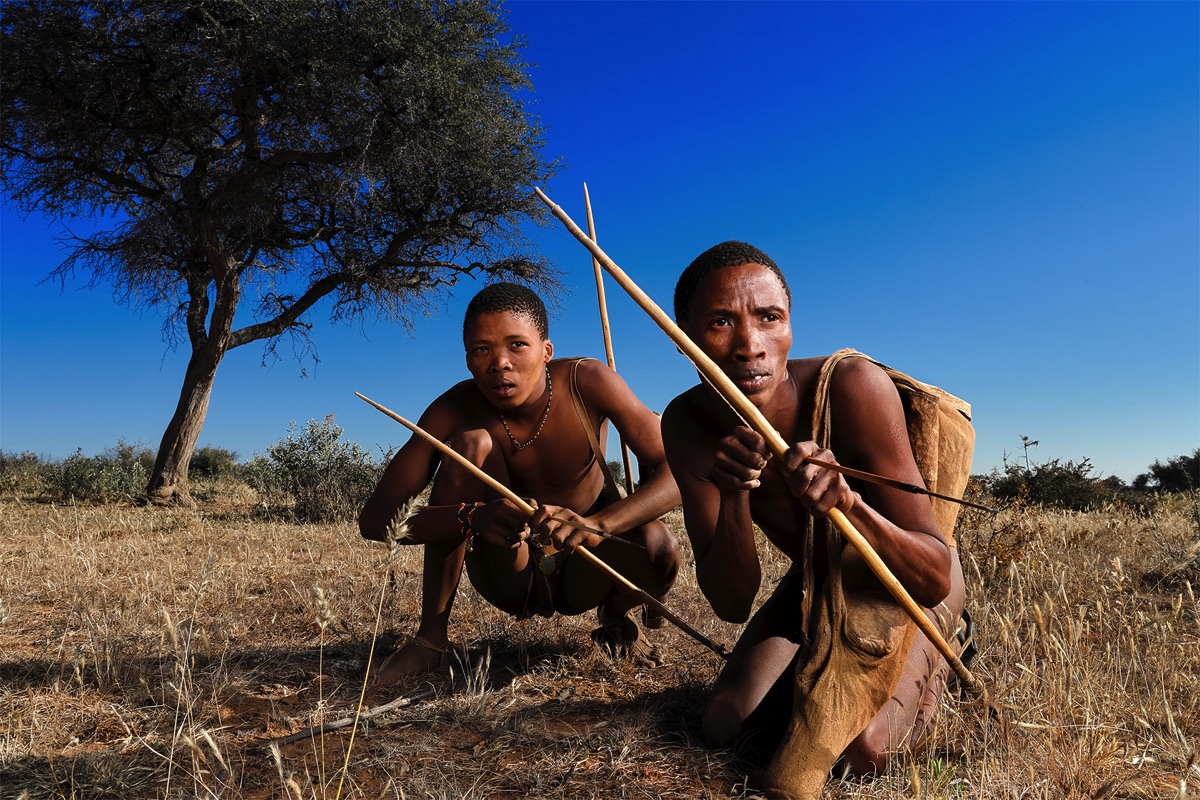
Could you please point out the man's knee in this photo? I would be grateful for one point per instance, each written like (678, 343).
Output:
(454, 482)
(723, 722)
(868, 753)
(475, 443)
(663, 548)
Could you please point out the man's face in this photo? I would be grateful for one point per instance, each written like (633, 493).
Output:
(741, 320)
(507, 357)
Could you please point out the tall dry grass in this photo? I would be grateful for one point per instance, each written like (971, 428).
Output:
(156, 653)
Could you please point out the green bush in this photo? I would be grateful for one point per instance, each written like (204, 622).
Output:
(25, 475)
(119, 474)
(327, 479)
(1179, 474)
(210, 463)
(1061, 484)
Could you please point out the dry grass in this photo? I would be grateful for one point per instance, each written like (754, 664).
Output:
(153, 653)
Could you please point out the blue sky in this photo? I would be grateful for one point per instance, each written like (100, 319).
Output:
(999, 198)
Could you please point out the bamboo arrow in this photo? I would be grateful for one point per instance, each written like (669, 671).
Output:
(608, 346)
(522, 504)
(721, 382)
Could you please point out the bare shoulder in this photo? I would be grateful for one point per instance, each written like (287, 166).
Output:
(687, 415)
(858, 383)
(869, 426)
(460, 405)
(599, 385)
(804, 372)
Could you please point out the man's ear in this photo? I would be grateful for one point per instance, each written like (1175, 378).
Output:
(549, 351)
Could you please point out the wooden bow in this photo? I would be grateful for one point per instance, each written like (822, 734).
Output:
(522, 504)
(721, 382)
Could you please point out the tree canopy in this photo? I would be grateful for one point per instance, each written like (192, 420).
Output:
(271, 153)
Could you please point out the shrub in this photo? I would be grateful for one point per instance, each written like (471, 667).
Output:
(327, 479)
(1056, 483)
(119, 474)
(210, 463)
(24, 475)
(1179, 474)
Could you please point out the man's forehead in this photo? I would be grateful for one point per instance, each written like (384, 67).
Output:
(764, 280)
(504, 324)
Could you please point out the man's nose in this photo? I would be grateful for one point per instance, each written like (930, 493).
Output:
(748, 344)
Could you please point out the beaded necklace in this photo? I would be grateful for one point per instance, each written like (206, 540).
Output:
(518, 446)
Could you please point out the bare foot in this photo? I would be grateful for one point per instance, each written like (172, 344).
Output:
(652, 618)
(417, 657)
(625, 639)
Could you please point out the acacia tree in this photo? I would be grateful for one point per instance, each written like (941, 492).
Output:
(259, 156)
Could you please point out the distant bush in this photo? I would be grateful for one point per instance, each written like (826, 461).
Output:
(1071, 484)
(1179, 474)
(120, 474)
(210, 463)
(1055, 483)
(25, 475)
(326, 478)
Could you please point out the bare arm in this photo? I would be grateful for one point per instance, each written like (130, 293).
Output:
(606, 395)
(716, 509)
(406, 476)
(869, 433)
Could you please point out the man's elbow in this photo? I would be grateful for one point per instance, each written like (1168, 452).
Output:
(933, 586)
(369, 527)
(933, 591)
(729, 609)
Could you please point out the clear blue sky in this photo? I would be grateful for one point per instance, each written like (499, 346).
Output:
(1000, 198)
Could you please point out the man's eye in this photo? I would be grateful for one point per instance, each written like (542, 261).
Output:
(721, 322)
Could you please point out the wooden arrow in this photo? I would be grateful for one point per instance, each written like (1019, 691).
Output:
(608, 346)
(522, 504)
(733, 395)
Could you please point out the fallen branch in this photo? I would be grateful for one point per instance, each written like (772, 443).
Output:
(345, 722)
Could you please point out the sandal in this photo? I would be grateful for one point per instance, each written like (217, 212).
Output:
(422, 643)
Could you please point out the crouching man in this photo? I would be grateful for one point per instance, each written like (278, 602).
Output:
(536, 425)
(829, 666)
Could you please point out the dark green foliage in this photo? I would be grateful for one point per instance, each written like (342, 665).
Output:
(1179, 474)
(1067, 484)
(327, 479)
(258, 157)
(210, 462)
(1071, 485)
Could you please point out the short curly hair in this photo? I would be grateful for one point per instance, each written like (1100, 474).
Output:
(511, 297)
(725, 254)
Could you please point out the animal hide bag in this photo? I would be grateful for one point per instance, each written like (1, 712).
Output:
(856, 653)
(860, 638)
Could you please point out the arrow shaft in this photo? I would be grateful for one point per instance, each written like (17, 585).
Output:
(522, 504)
(775, 442)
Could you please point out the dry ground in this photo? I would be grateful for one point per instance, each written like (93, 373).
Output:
(154, 653)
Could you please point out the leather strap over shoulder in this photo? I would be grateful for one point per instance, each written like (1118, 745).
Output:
(822, 412)
(581, 411)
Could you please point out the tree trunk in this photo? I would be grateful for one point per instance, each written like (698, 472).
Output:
(169, 481)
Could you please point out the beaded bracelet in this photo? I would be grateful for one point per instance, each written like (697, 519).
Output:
(466, 522)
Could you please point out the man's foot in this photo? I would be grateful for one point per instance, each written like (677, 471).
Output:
(652, 618)
(418, 657)
(625, 639)
(965, 638)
